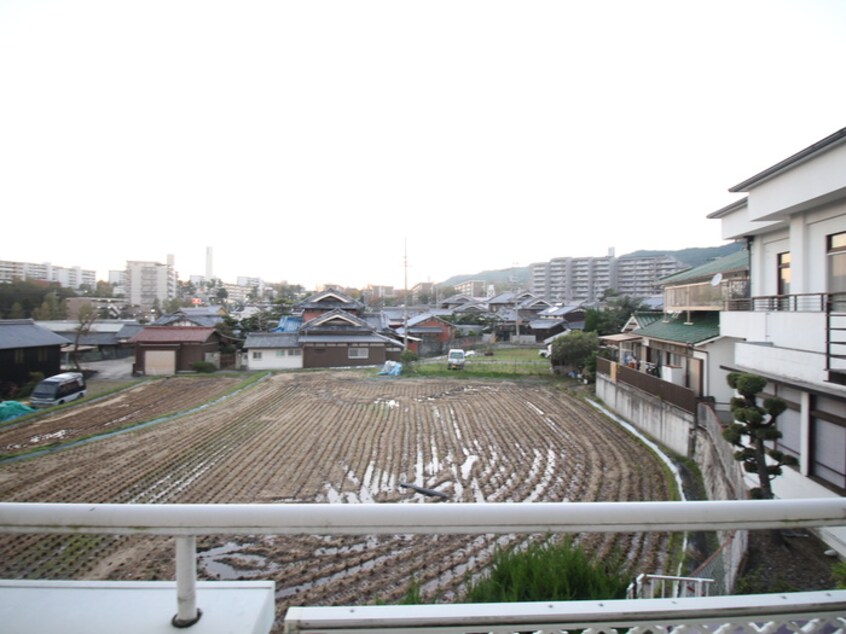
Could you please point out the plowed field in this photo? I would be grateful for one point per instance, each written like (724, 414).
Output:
(336, 438)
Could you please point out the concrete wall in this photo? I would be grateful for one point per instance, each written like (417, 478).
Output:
(664, 422)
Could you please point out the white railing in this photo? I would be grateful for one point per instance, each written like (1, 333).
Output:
(668, 586)
(186, 522)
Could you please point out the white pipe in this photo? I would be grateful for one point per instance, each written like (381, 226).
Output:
(389, 519)
(187, 612)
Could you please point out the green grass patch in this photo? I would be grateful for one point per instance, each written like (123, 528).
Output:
(549, 571)
(503, 363)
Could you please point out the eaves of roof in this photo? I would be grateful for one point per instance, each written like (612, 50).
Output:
(24, 333)
(790, 162)
(731, 263)
(724, 211)
(174, 334)
(703, 327)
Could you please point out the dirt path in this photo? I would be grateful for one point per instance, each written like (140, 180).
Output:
(339, 438)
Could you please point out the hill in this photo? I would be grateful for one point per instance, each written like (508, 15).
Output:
(521, 276)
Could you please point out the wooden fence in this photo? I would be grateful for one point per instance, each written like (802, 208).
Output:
(681, 397)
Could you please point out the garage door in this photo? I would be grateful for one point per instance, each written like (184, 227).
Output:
(159, 362)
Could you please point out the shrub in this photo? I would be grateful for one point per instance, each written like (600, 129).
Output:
(203, 366)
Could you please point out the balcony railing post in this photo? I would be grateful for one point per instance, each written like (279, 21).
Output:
(187, 612)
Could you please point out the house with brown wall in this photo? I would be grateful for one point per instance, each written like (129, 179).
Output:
(165, 350)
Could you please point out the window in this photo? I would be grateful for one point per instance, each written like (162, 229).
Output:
(783, 273)
(256, 355)
(358, 353)
(280, 353)
(836, 250)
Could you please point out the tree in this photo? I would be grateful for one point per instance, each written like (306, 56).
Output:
(52, 308)
(85, 320)
(105, 289)
(574, 349)
(611, 319)
(754, 427)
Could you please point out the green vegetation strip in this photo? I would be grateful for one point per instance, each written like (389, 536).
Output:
(38, 451)
(549, 571)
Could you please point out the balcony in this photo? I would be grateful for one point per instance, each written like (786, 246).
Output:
(39, 606)
(705, 296)
(803, 335)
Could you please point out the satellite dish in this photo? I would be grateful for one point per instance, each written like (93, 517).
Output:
(715, 281)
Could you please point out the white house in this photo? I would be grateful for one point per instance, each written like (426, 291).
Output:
(273, 351)
(792, 328)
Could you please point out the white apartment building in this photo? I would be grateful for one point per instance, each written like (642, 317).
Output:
(472, 288)
(69, 277)
(792, 330)
(147, 282)
(569, 280)
(639, 276)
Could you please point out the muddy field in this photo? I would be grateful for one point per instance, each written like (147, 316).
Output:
(331, 438)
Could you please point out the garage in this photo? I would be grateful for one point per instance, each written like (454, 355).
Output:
(166, 350)
(159, 362)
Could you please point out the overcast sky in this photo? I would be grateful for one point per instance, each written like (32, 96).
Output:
(316, 141)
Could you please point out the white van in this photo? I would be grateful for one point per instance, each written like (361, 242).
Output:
(455, 359)
(58, 389)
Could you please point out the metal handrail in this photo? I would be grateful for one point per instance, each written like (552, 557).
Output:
(186, 521)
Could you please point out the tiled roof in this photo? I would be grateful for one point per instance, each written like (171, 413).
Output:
(702, 327)
(560, 311)
(349, 338)
(732, 263)
(24, 333)
(271, 340)
(646, 317)
(545, 324)
(174, 334)
(323, 321)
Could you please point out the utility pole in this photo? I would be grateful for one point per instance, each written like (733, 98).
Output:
(405, 300)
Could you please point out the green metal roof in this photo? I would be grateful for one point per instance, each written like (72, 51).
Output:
(731, 263)
(704, 326)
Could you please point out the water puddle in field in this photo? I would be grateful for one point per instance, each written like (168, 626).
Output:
(227, 562)
(362, 567)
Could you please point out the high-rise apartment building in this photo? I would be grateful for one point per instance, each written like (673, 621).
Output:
(473, 288)
(639, 276)
(147, 282)
(69, 277)
(569, 280)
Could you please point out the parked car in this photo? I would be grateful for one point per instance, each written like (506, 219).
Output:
(455, 359)
(58, 389)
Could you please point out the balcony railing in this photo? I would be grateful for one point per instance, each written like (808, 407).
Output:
(801, 302)
(705, 296)
(833, 305)
(186, 522)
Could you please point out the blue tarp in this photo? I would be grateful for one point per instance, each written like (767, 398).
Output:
(13, 409)
(391, 368)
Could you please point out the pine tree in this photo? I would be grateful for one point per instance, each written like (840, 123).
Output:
(754, 427)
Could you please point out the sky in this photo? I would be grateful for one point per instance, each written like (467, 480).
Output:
(357, 142)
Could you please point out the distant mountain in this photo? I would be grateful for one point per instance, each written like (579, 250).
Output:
(521, 276)
(515, 276)
(693, 256)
